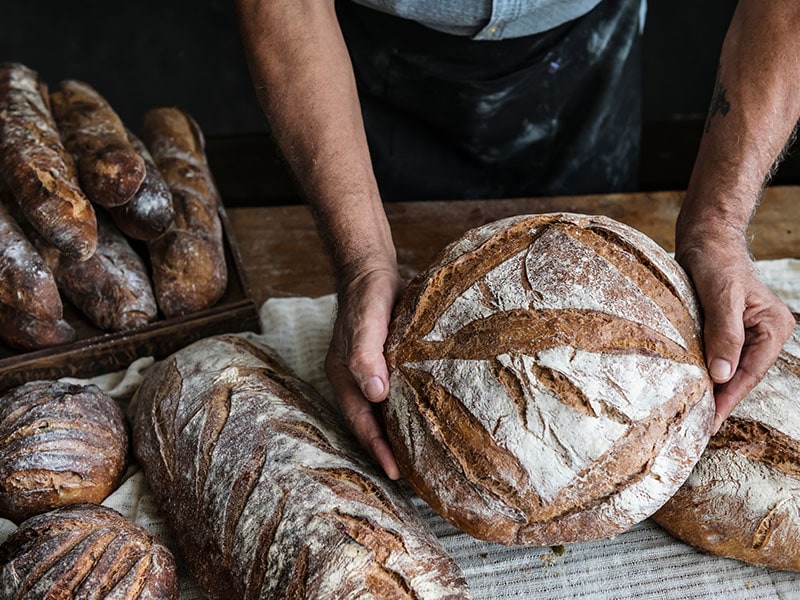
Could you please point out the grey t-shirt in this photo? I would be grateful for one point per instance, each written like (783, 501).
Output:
(486, 19)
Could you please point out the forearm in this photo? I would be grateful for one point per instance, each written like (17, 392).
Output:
(304, 80)
(755, 108)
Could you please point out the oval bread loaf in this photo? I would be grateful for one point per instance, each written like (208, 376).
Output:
(37, 167)
(112, 288)
(547, 381)
(85, 551)
(742, 499)
(149, 213)
(21, 331)
(109, 168)
(26, 284)
(268, 495)
(189, 268)
(60, 444)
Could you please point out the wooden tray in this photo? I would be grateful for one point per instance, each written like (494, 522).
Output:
(95, 352)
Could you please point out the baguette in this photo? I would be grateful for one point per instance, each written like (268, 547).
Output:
(112, 288)
(60, 444)
(149, 213)
(21, 331)
(109, 167)
(86, 551)
(26, 284)
(38, 169)
(189, 269)
(268, 495)
(547, 380)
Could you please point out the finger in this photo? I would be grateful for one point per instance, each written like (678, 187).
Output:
(359, 415)
(364, 350)
(723, 335)
(361, 419)
(766, 334)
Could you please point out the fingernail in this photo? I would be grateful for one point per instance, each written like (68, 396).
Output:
(717, 423)
(373, 387)
(720, 370)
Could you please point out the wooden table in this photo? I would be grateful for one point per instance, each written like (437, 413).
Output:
(283, 256)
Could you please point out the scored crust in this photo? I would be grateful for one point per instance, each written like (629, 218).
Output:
(742, 499)
(547, 380)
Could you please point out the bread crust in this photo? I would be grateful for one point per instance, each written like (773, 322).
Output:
(149, 214)
(742, 499)
(110, 169)
(189, 268)
(86, 551)
(37, 167)
(269, 497)
(26, 284)
(112, 288)
(60, 444)
(22, 331)
(547, 380)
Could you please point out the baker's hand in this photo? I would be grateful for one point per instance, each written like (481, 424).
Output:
(355, 364)
(745, 323)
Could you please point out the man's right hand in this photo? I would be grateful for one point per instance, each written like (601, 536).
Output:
(355, 364)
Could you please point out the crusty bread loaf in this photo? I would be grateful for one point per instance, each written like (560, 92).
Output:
(60, 444)
(189, 269)
(37, 167)
(268, 495)
(22, 331)
(110, 169)
(547, 381)
(149, 213)
(26, 284)
(85, 552)
(112, 288)
(742, 499)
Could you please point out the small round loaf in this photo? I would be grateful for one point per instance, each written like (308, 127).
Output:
(60, 444)
(85, 551)
(742, 499)
(547, 380)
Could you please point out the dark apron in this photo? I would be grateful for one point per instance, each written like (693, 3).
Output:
(447, 117)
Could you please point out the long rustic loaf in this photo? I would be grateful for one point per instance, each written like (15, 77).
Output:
(109, 167)
(742, 499)
(60, 444)
(268, 495)
(22, 331)
(149, 213)
(85, 551)
(189, 269)
(112, 288)
(547, 381)
(26, 284)
(38, 169)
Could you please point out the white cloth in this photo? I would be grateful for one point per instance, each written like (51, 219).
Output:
(643, 563)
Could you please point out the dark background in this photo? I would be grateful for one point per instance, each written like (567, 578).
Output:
(150, 53)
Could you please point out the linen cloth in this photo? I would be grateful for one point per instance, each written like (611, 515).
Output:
(644, 562)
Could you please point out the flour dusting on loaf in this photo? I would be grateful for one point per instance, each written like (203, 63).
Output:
(742, 499)
(547, 380)
(86, 551)
(268, 495)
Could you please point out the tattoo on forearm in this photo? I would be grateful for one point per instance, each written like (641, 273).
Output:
(719, 104)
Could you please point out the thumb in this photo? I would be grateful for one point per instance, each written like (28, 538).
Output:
(723, 336)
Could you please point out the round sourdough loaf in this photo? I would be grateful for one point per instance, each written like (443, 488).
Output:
(60, 443)
(547, 380)
(85, 551)
(742, 499)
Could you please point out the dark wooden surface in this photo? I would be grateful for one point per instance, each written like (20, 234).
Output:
(283, 256)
